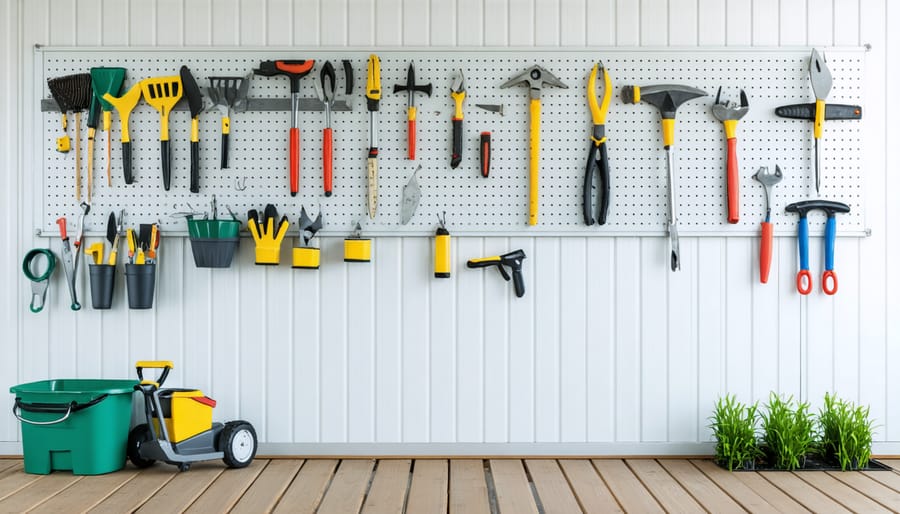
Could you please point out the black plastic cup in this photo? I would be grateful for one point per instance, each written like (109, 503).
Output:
(214, 252)
(140, 280)
(103, 283)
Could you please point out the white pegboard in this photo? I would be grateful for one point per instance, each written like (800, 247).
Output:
(474, 205)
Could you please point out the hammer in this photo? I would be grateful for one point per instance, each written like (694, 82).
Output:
(829, 278)
(666, 98)
(535, 77)
(411, 88)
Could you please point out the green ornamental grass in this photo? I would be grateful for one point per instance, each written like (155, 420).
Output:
(734, 425)
(788, 432)
(846, 432)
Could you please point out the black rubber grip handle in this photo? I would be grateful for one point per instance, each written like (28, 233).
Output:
(224, 162)
(604, 186)
(808, 112)
(519, 283)
(456, 156)
(58, 407)
(126, 162)
(166, 164)
(195, 166)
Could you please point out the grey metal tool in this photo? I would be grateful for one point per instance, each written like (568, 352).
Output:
(411, 89)
(491, 107)
(228, 94)
(308, 226)
(411, 196)
(70, 261)
(666, 98)
(729, 113)
(820, 79)
(768, 179)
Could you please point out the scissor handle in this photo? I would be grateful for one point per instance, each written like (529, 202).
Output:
(804, 281)
(829, 282)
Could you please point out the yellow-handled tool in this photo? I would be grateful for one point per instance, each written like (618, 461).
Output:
(535, 78)
(373, 96)
(820, 79)
(162, 93)
(124, 105)
(96, 252)
(458, 93)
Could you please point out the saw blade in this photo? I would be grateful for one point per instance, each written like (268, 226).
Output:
(411, 195)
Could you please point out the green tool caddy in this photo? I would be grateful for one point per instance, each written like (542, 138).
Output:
(74, 424)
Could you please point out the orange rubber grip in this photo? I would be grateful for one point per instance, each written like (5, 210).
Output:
(326, 159)
(765, 252)
(411, 133)
(829, 282)
(295, 66)
(734, 207)
(295, 161)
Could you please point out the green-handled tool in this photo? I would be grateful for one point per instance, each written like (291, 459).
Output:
(106, 80)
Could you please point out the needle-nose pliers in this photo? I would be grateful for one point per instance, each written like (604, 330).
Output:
(597, 156)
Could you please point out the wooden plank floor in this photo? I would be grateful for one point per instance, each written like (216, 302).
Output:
(476, 486)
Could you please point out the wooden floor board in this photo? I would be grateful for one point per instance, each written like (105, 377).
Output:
(308, 487)
(625, 486)
(805, 494)
(590, 491)
(348, 488)
(703, 490)
(468, 487)
(91, 490)
(737, 489)
(8, 464)
(886, 478)
(667, 491)
(429, 489)
(553, 490)
(268, 487)
(840, 492)
(775, 496)
(179, 493)
(874, 490)
(38, 492)
(15, 479)
(387, 495)
(225, 492)
(511, 487)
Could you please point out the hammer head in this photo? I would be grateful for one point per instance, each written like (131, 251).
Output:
(665, 97)
(535, 77)
(411, 85)
(830, 208)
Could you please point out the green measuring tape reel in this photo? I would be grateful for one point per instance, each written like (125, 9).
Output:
(39, 283)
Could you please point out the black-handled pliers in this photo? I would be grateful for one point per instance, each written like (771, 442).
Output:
(597, 156)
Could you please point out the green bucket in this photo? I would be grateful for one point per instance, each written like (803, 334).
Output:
(74, 424)
(214, 229)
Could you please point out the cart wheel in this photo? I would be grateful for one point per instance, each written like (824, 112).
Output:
(138, 436)
(238, 442)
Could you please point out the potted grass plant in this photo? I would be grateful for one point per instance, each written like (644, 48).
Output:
(846, 433)
(734, 426)
(788, 432)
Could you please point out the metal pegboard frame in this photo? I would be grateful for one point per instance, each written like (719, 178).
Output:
(475, 205)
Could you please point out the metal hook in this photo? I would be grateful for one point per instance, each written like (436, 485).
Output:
(240, 183)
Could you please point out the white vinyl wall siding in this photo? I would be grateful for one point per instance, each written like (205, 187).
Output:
(608, 352)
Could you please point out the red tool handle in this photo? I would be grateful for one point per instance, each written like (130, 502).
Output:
(734, 208)
(295, 160)
(485, 147)
(411, 133)
(62, 228)
(829, 282)
(804, 281)
(326, 159)
(765, 252)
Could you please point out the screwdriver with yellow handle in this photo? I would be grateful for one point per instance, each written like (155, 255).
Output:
(132, 244)
(373, 96)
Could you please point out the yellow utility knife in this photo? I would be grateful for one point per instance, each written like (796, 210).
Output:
(373, 96)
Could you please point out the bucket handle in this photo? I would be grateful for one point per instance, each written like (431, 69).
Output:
(68, 408)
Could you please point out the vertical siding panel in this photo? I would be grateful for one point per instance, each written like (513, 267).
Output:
(415, 22)
(497, 345)
(547, 295)
(573, 23)
(521, 350)
(654, 259)
(335, 23)
(846, 28)
(361, 324)
(790, 324)
(251, 357)
(306, 30)
(333, 340)
(62, 16)
(711, 329)
(766, 312)
(601, 324)
(389, 23)
(443, 22)
(470, 343)
(820, 22)
(628, 278)
(281, 318)
(225, 20)
(654, 23)
(546, 22)
(879, 385)
(739, 318)
(521, 22)
(739, 26)
(497, 20)
(114, 22)
(792, 23)
(443, 355)
(388, 352)
(573, 338)
(628, 23)
(601, 22)
(279, 17)
(142, 25)
(682, 348)
(683, 22)
(847, 372)
(224, 337)
(711, 22)
(251, 22)
(194, 297)
(416, 351)
(198, 27)
(170, 316)
(170, 26)
(818, 345)
(471, 24)
(309, 317)
(765, 22)
(88, 20)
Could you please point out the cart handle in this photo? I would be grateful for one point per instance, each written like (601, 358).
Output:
(68, 408)
(166, 366)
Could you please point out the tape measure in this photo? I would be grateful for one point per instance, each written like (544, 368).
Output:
(39, 283)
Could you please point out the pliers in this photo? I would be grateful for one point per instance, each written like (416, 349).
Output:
(597, 156)
(458, 93)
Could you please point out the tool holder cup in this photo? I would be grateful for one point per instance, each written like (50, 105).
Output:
(213, 242)
(103, 283)
(306, 257)
(140, 280)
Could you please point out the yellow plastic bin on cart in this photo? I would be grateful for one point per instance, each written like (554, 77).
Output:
(187, 412)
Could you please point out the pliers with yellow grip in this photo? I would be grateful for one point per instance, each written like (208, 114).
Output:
(597, 156)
